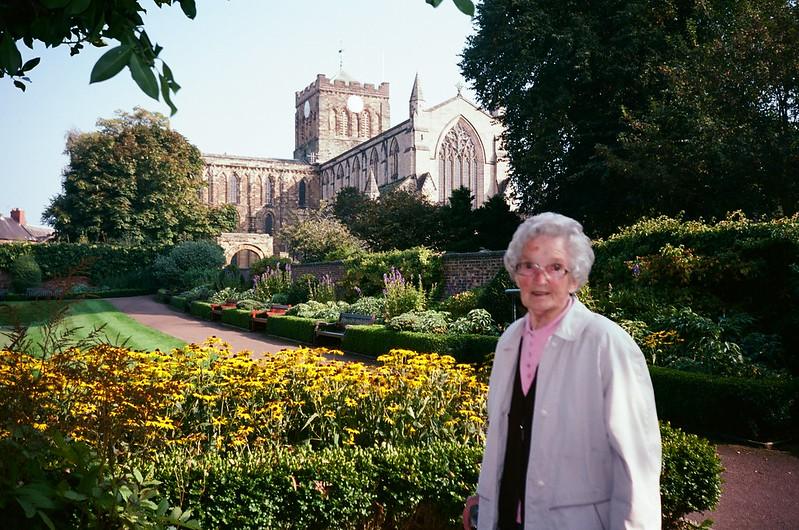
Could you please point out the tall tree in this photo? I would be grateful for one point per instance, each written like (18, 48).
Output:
(604, 102)
(319, 238)
(456, 221)
(134, 180)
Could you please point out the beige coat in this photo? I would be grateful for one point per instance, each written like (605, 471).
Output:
(595, 452)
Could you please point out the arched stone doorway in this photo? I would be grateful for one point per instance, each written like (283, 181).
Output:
(245, 248)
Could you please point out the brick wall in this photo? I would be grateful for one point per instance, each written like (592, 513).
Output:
(335, 269)
(462, 271)
(467, 270)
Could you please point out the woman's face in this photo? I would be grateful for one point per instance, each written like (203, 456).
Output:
(544, 289)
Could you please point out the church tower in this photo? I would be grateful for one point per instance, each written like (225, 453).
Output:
(334, 115)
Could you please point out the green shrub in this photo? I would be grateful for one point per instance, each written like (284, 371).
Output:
(343, 487)
(226, 295)
(237, 317)
(291, 327)
(364, 273)
(420, 321)
(201, 309)
(269, 262)
(375, 340)
(249, 305)
(188, 261)
(459, 305)
(328, 311)
(178, 302)
(163, 296)
(299, 290)
(387, 486)
(756, 409)
(691, 477)
(493, 298)
(368, 305)
(97, 261)
(25, 273)
(279, 298)
(476, 322)
(201, 293)
(401, 296)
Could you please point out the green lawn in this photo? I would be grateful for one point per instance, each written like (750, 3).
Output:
(84, 315)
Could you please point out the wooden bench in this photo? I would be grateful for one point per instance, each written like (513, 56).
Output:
(216, 310)
(258, 317)
(336, 329)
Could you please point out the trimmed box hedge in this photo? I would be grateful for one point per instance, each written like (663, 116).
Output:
(179, 302)
(377, 339)
(163, 296)
(755, 409)
(386, 487)
(200, 309)
(240, 318)
(295, 328)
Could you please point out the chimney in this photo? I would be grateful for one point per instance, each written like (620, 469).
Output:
(18, 215)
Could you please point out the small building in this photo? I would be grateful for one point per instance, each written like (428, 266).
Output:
(15, 229)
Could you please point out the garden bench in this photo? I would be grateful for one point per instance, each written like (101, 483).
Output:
(258, 317)
(216, 310)
(336, 329)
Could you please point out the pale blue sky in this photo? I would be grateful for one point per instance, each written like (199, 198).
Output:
(239, 63)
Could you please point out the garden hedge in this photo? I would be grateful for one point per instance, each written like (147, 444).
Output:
(39, 294)
(377, 339)
(179, 302)
(200, 309)
(385, 487)
(755, 409)
(237, 317)
(296, 328)
(97, 261)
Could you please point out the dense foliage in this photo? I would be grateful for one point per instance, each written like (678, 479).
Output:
(25, 273)
(619, 109)
(402, 219)
(189, 264)
(134, 181)
(320, 238)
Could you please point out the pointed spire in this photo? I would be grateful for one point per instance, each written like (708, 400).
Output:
(371, 190)
(417, 99)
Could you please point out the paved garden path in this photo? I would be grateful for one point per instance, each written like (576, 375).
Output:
(761, 489)
(164, 317)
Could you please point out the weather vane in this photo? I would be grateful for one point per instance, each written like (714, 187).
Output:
(459, 87)
(340, 56)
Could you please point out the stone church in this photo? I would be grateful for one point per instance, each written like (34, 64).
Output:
(343, 138)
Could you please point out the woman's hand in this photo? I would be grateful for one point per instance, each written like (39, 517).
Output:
(467, 512)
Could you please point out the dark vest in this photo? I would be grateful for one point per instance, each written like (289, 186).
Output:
(517, 450)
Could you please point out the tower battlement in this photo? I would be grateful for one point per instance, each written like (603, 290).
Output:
(322, 82)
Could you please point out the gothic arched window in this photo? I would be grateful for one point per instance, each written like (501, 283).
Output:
(366, 124)
(343, 125)
(269, 191)
(393, 160)
(269, 224)
(233, 189)
(373, 164)
(356, 173)
(459, 158)
(301, 194)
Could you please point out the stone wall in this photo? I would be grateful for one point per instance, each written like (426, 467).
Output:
(467, 270)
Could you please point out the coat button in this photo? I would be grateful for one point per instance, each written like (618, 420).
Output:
(544, 412)
(540, 483)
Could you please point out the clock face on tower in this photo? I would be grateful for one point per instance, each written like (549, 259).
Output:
(306, 109)
(354, 104)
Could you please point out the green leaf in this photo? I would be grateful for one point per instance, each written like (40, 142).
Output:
(465, 6)
(78, 6)
(163, 506)
(74, 495)
(434, 3)
(10, 58)
(137, 474)
(46, 520)
(194, 524)
(111, 63)
(165, 92)
(189, 8)
(29, 65)
(20, 85)
(143, 76)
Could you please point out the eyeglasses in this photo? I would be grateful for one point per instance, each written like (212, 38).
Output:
(552, 270)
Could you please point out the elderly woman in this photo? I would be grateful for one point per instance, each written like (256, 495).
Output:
(573, 439)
